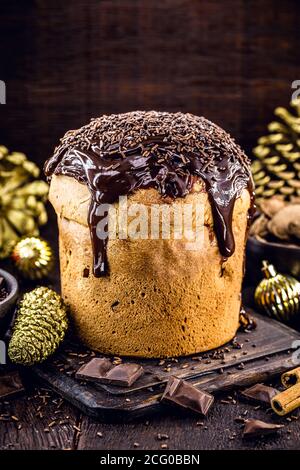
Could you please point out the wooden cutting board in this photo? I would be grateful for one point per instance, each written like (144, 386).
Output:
(255, 357)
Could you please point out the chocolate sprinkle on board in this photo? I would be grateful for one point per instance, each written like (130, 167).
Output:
(256, 428)
(260, 393)
(118, 154)
(185, 395)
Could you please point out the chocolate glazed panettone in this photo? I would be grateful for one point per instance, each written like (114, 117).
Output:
(151, 297)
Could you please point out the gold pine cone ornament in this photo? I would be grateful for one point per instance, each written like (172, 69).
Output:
(276, 168)
(33, 257)
(40, 327)
(22, 199)
(278, 295)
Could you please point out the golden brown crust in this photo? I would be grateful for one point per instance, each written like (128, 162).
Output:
(160, 300)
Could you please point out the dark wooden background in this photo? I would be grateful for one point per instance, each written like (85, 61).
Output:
(67, 61)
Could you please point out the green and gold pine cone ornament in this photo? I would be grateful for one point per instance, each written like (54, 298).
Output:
(276, 168)
(33, 257)
(278, 295)
(40, 326)
(22, 199)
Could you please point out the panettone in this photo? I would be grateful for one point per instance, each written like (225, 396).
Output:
(151, 296)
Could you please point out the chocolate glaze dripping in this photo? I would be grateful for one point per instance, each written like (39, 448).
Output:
(113, 173)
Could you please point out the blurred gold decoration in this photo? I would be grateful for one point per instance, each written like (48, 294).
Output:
(22, 198)
(276, 169)
(40, 327)
(33, 257)
(278, 295)
(247, 323)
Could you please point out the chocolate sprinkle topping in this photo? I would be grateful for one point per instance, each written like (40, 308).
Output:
(118, 154)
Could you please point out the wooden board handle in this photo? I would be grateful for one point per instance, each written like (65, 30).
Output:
(292, 377)
(287, 401)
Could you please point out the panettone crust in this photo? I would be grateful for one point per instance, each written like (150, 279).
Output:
(159, 300)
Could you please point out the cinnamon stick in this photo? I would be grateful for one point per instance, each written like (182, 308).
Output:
(291, 377)
(287, 401)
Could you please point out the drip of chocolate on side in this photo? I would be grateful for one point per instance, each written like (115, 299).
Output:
(153, 163)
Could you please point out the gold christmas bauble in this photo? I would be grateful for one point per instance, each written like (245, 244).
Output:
(33, 257)
(278, 295)
(40, 326)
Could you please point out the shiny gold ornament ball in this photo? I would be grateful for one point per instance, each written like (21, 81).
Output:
(40, 327)
(278, 295)
(33, 257)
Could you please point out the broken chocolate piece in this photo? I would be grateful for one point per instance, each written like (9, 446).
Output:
(183, 394)
(102, 370)
(256, 428)
(10, 384)
(94, 368)
(260, 393)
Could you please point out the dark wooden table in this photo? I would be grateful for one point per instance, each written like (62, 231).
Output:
(34, 423)
(40, 419)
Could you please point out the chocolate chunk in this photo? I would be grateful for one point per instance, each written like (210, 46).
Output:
(260, 393)
(256, 428)
(102, 370)
(124, 374)
(183, 394)
(10, 384)
(94, 368)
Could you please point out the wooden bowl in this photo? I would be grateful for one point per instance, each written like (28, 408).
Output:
(284, 256)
